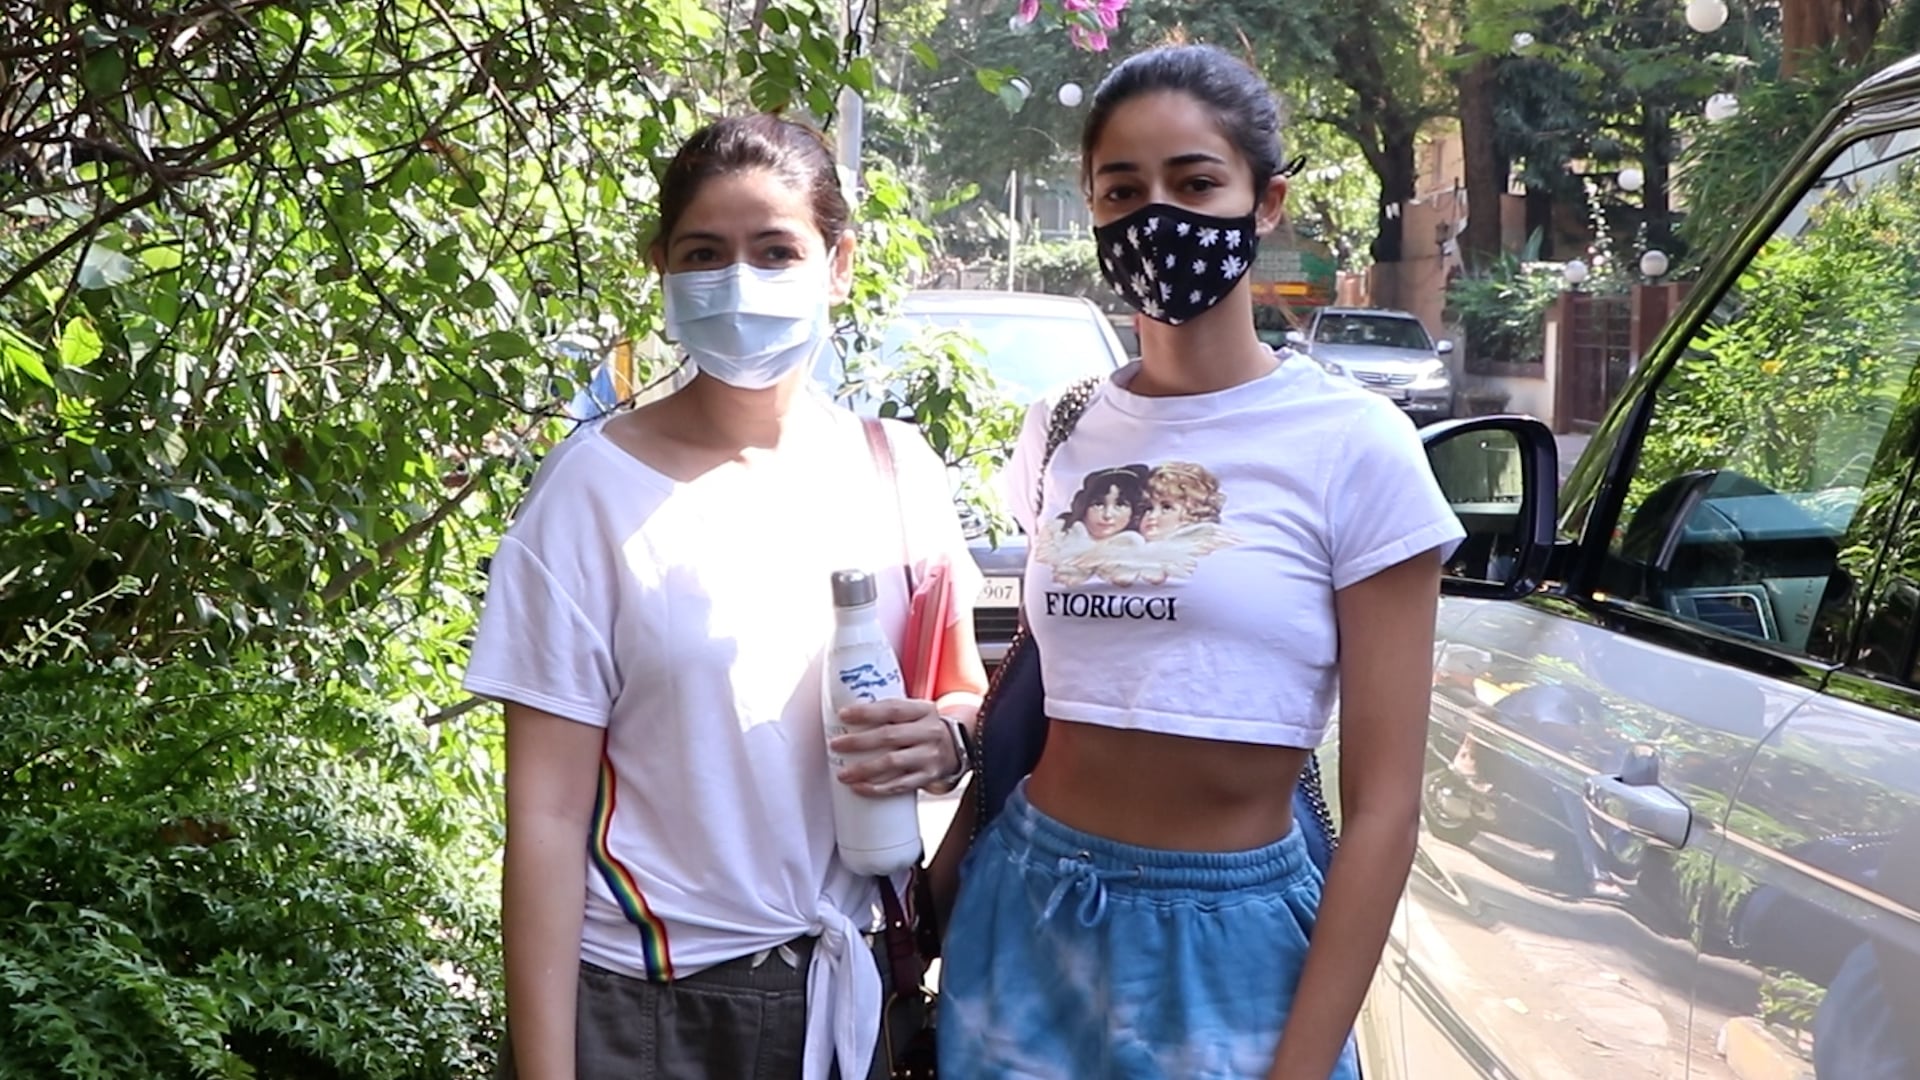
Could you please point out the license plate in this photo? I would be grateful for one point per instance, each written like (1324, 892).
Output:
(1000, 592)
(1391, 393)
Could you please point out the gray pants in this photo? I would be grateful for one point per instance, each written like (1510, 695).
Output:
(745, 1019)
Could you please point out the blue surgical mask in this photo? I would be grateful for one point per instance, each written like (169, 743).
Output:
(749, 327)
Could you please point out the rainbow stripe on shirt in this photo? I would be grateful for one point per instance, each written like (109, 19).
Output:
(626, 891)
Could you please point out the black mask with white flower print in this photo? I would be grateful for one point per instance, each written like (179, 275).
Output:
(1172, 264)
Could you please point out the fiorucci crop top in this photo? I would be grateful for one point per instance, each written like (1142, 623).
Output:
(1181, 576)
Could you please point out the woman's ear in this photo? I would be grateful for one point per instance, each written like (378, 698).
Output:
(841, 267)
(1272, 208)
(657, 257)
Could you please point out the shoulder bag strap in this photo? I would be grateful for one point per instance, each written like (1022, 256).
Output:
(897, 911)
(881, 448)
(1066, 413)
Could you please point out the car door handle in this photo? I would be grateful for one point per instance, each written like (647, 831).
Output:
(1648, 810)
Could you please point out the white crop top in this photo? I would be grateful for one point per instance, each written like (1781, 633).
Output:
(1181, 578)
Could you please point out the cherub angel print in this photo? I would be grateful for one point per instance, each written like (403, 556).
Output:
(1136, 525)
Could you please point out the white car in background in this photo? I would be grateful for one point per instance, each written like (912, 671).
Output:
(1388, 352)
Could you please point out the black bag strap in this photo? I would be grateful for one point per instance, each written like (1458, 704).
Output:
(1066, 414)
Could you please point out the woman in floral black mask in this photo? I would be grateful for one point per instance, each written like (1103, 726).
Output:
(1143, 905)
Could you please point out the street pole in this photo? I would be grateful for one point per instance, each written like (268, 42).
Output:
(850, 117)
(1013, 221)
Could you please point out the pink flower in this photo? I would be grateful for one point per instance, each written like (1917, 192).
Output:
(1029, 10)
(1108, 12)
(1076, 5)
(1090, 40)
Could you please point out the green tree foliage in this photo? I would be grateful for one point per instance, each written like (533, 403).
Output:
(1806, 384)
(1335, 198)
(191, 894)
(1601, 86)
(279, 284)
(986, 105)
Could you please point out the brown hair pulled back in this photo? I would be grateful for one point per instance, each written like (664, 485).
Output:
(796, 153)
(1240, 100)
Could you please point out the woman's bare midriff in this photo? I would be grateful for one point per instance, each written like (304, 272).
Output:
(1166, 791)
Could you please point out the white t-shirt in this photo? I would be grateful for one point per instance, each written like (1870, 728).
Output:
(1181, 578)
(689, 621)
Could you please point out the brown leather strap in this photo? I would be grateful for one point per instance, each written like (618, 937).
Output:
(903, 950)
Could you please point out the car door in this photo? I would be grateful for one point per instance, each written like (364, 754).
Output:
(1587, 743)
(1820, 874)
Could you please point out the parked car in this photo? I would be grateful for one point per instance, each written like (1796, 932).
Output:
(1033, 345)
(1672, 816)
(1388, 352)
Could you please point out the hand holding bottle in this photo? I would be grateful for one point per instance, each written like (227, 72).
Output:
(895, 747)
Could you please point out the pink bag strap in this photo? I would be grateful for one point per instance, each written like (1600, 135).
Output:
(881, 449)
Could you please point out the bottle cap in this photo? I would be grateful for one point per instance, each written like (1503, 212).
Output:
(853, 588)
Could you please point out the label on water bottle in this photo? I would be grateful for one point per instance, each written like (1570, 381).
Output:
(872, 682)
(863, 680)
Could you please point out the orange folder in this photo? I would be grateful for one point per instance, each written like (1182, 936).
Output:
(929, 611)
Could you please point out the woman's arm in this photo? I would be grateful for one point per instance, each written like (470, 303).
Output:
(1386, 675)
(551, 769)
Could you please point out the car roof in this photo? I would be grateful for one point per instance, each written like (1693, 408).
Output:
(1392, 313)
(992, 302)
(1896, 78)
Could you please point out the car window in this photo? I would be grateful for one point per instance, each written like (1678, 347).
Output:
(1781, 442)
(1385, 331)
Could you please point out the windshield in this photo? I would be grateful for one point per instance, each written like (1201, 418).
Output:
(1028, 354)
(1382, 331)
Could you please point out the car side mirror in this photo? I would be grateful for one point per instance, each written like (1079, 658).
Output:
(1501, 476)
(1443, 347)
(1295, 337)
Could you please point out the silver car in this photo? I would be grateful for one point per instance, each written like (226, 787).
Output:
(1672, 793)
(1388, 352)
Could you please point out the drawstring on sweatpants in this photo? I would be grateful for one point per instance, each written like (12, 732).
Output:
(1079, 872)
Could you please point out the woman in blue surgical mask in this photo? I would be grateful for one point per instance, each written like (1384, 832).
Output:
(674, 906)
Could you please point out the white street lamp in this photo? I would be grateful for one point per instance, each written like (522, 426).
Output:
(1071, 95)
(1574, 272)
(1706, 16)
(1654, 263)
(1722, 107)
(1632, 179)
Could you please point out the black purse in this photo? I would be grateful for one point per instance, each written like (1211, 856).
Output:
(1011, 728)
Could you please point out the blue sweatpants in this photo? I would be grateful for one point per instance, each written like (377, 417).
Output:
(1069, 955)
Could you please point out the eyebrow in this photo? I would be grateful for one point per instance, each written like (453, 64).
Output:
(1198, 157)
(716, 238)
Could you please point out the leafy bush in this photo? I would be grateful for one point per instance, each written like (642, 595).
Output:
(231, 876)
(1502, 311)
(1065, 268)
